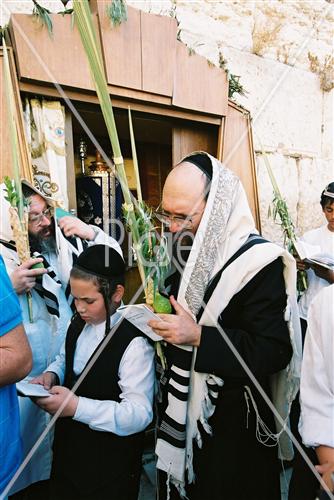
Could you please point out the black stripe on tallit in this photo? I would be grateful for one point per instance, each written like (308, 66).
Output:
(51, 301)
(170, 421)
(182, 396)
(253, 239)
(8, 244)
(169, 439)
(179, 379)
(180, 357)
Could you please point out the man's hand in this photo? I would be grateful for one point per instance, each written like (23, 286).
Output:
(301, 264)
(177, 329)
(23, 278)
(326, 470)
(47, 380)
(324, 273)
(61, 397)
(72, 226)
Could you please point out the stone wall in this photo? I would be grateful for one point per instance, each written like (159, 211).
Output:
(282, 51)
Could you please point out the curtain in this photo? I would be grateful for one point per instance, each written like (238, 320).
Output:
(45, 129)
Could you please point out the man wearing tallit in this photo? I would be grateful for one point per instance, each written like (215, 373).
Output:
(57, 241)
(235, 306)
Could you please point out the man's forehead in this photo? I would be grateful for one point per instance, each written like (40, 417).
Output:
(178, 205)
(37, 203)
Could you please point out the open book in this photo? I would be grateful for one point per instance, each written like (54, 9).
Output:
(311, 254)
(139, 315)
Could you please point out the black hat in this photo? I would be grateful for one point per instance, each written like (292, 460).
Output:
(202, 161)
(101, 261)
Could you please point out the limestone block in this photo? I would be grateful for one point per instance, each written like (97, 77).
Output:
(327, 126)
(285, 103)
(219, 26)
(287, 31)
(286, 175)
(314, 175)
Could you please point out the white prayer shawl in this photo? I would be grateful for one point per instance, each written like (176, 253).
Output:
(65, 251)
(225, 226)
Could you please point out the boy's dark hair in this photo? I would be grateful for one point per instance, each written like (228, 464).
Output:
(325, 198)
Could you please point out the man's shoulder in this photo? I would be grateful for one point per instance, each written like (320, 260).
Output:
(10, 311)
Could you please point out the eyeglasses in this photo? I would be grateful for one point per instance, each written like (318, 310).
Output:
(36, 219)
(184, 221)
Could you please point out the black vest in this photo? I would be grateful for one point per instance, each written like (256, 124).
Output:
(88, 458)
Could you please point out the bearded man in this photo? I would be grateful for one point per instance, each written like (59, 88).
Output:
(231, 336)
(57, 242)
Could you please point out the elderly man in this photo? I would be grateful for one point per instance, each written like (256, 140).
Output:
(227, 339)
(57, 241)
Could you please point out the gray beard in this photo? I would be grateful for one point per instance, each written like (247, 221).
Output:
(42, 245)
(48, 245)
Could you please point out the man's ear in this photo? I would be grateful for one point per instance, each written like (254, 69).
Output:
(118, 294)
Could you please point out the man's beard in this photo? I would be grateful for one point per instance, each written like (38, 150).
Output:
(41, 243)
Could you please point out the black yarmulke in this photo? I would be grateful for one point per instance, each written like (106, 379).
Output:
(202, 161)
(101, 261)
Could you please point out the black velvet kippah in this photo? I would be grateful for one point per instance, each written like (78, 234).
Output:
(202, 161)
(101, 261)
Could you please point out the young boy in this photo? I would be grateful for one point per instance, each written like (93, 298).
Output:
(109, 366)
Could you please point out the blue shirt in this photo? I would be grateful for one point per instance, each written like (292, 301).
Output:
(10, 441)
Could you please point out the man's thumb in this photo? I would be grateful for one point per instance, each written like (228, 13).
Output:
(178, 308)
(54, 390)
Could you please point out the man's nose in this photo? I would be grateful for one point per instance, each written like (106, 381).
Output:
(45, 222)
(173, 227)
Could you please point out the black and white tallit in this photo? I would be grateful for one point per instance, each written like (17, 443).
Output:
(226, 227)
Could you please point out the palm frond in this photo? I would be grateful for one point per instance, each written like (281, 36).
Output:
(138, 216)
(43, 15)
(280, 211)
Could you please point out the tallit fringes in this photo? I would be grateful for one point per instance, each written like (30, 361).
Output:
(263, 433)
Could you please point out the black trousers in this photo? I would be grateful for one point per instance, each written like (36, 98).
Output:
(36, 491)
(124, 487)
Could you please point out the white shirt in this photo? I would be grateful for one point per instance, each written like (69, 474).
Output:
(136, 381)
(316, 424)
(324, 238)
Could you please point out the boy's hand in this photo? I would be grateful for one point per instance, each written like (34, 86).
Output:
(327, 470)
(324, 273)
(47, 380)
(301, 264)
(61, 397)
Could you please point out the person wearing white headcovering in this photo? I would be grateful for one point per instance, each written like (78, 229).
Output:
(316, 424)
(57, 241)
(235, 299)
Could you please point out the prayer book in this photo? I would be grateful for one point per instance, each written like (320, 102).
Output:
(139, 315)
(25, 388)
(311, 254)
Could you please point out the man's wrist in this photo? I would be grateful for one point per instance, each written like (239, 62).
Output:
(94, 231)
(199, 335)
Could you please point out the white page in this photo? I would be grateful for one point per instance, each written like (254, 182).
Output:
(306, 250)
(139, 315)
(35, 390)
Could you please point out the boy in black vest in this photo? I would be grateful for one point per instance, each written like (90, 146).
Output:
(109, 366)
